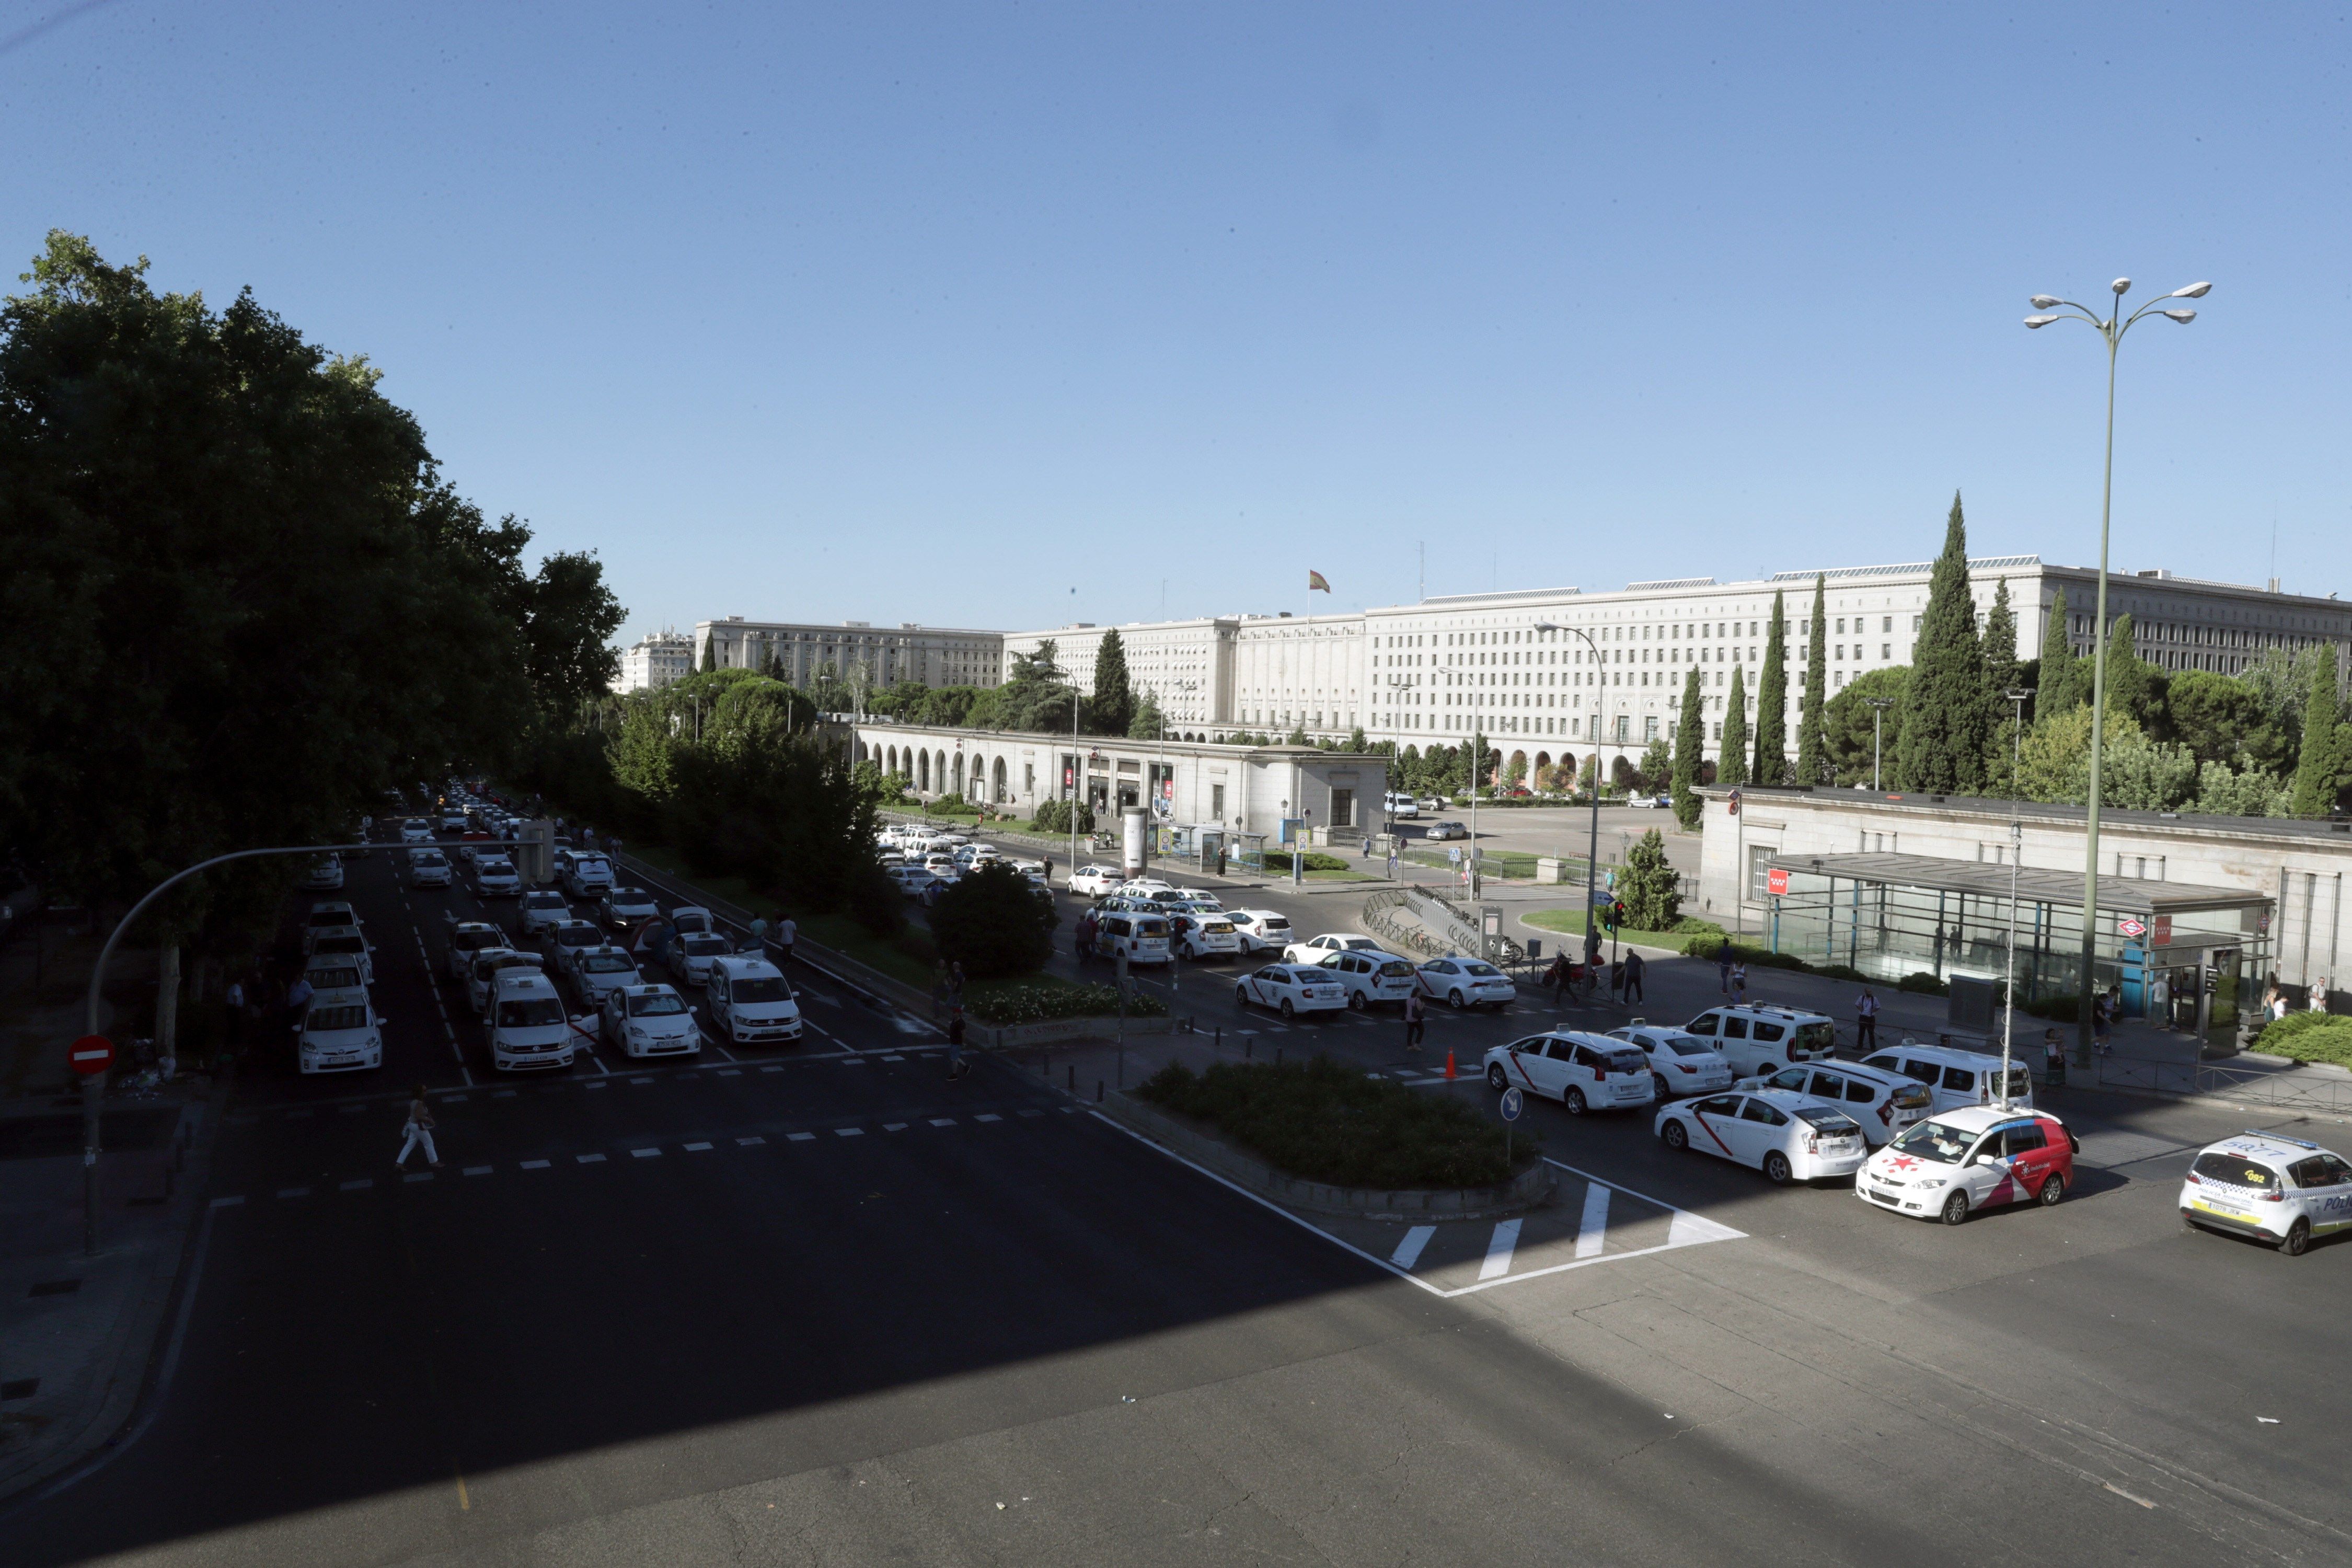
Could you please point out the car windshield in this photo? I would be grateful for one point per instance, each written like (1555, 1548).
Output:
(530, 1012)
(690, 920)
(2236, 1170)
(323, 1019)
(605, 963)
(1689, 1048)
(701, 943)
(629, 896)
(342, 944)
(1937, 1141)
(760, 988)
(429, 858)
(542, 901)
(662, 1006)
(1482, 971)
(1836, 1123)
(333, 979)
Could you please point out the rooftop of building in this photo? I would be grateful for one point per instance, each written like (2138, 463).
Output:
(1999, 809)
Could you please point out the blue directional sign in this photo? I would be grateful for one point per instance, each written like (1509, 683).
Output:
(1513, 1103)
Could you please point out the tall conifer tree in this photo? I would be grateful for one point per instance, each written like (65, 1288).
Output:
(1731, 762)
(2320, 760)
(2060, 687)
(1690, 740)
(1772, 701)
(2001, 677)
(1944, 737)
(1114, 703)
(1812, 722)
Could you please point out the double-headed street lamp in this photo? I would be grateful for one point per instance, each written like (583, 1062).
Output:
(2111, 329)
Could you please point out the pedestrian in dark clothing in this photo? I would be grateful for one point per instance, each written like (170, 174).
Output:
(1633, 967)
(955, 1044)
(1865, 1020)
(1723, 966)
(1556, 976)
(1617, 980)
(1591, 947)
(788, 931)
(1415, 1020)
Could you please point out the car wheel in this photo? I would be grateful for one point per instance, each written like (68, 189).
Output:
(1777, 1169)
(1356, 1000)
(1574, 1101)
(1241, 994)
(1956, 1209)
(1675, 1136)
(1494, 1078)
(1288, 1011)
(2054, 1187)
(1454, 999)
(1659, 1080)
(2297, 1238)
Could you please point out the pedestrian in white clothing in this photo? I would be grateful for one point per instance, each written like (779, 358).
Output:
(419, 1131)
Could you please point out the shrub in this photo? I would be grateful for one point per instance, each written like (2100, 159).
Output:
(995, 924)
(2309, 1037)
(1043, 1001)
(1328, 1122)
(951, 806)
(1924, 984)
(1054, 816)
(1650, 888)
(1279, 860)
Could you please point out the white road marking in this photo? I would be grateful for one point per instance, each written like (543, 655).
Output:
(503, 1094)
(364, 1182)
(771, 1069)
(1408, 1252)
(640, 1080)
(293, 1192)
(894, 1127)
(696, 1146)
(232, 1201)
(849, 1131)
(477, 1170)
(748, 1142)
(1505, 1241)
(893, 1057)
(417, 1176)
(534, 1164)
(592, 1083)
(801, 1137)
(1594, 1229)
(988, 1116)
(943, 1121)
(644, 1153)
(590, 1159)
(730, 1072)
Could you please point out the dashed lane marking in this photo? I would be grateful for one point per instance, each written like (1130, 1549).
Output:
(477, 1170)
(590, 1159)
(644, 1153)
(748, 1142)
(1593, 1231)
(894, 1127)
(800, 1137)
(849, 1131)
(231, 1201)
(943, 1121)
(358, 1185)
(988, 1116)
(293, 1192)
(417, 1176)
(730, 1072)
(535, 1164)
(1499, 1247)
(1408, 1252)
(696, 1147)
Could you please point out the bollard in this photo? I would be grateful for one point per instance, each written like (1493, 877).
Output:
(1074, 1078)
(1221, 1036)
(1099, 1091)
(1449, 1063)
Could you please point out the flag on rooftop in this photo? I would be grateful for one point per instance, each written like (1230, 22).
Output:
(1315, 581)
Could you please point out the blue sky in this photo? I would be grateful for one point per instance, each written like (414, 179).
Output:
(1006, 315)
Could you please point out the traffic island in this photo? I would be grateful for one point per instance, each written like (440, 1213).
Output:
(1327, 1139)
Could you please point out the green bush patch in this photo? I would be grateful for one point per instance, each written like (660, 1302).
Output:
(1279, 860)
(1006, 1002)
(1923, 984)
(1322, 1121)
(2309, 1037)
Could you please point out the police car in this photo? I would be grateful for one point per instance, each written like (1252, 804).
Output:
(2271, 1187)
(1979, 1156)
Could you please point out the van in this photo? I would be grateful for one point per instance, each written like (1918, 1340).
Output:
(1142, 938)
(1956, 1078)
(527, 1025)
(585, 873)
(749, 999)
(340, 1032)
(1758, 1041)
(1885, 1103)
(492, 965)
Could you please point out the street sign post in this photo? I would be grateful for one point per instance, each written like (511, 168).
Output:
(1513, 1103)
(91, 1054)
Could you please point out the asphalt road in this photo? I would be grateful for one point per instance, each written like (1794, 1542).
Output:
(817, 1304)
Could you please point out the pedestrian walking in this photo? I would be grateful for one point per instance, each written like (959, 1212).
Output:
(2274, 999)
(2320, 995)
(419, 1130)
(1634, 965)
(955, 985)
(1722, 965)
(759, 934)
(955, 1045)
(2099, 1021)
(1591, 948)
(2054, 1056)
(2159, 1001)
(1047, 861)
(1865, 1020)
(233, 1000)
(1415, 1019)
(1392, 864)
(788, 932)
(298, 997)
(1556, 976)
(1739, 985)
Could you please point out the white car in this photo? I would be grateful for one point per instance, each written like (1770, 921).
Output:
(648, 1021)
(327, 916)
(1979, 1156)
(541, 910)
(1885, 1103)
(340, 1032)
(1954, 1078)
(416, 830)
(1292, 989)
(528, 1026)
(1316, 948)
(625, 907)
(1372, 978)
(559, 938)
(468, 940)
(495, 877)
(1147, 888)
(914, 880)
(1143, 938)
(690, 955)
(1679, 1065)
(429, 869)
(594, 971)
(2271, 1187)
(687, 919)
(1760, 1041)
(482, 979)
(1404, 808)
(1261, 931)
(1466, 983)
(1584, 1072)
(1200, 901)
(585, 873)
(325, 874)
(347, 943)
(1094, 881)
(750, 1000)
(1442, 831)
(1205, 936)
(1789, 1137)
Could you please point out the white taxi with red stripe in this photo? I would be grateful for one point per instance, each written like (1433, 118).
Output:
(1584, 1072)
(1789, 1137)
(1977, 1156)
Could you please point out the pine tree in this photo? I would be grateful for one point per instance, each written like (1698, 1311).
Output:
(2000, 678)
(709, 654)
(1690, 737)
(2321, 758)
(1945, 729)
(1114, 703)
(1772, 702)
(1812, 723)
(2134, 686)
(2061, 685)
(1731, 768)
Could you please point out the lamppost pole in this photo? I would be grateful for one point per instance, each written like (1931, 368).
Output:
(2016, 857)
(1593, 854)
(2111, 329)
(1878, 706)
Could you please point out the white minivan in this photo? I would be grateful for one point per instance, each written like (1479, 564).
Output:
(749, 999)
(1758, 1041)
(529, 1027)
(1142, 938)
(1956, 1078)
(585, 873)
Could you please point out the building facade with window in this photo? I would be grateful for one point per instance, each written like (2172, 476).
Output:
(932, 656)
(655, 660)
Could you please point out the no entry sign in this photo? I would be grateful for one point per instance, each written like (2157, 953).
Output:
(91, 1054)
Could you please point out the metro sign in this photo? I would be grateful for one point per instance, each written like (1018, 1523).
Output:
(2127, 926)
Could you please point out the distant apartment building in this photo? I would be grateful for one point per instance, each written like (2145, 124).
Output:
(932, 656)
(655, 660)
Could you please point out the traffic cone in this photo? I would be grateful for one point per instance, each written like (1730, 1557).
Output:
(1449, 1063)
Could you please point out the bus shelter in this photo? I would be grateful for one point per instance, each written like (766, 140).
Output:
(2198, 953)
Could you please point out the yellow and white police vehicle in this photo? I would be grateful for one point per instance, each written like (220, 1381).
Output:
(2269, 1186)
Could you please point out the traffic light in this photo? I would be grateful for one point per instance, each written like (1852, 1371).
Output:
(1613, 916)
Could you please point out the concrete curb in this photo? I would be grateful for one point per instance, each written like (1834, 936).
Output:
(1526, 1191)
(125, 1395)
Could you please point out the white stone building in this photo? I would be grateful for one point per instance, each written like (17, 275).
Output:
(655, 660)
(934, 655)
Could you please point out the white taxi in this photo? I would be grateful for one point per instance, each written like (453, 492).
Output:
(2271, 1187)
(1789, 1137)
(1465, 983)
(1371, 976)
(495, 877)
(1261, 931)
(1206, 935)
(1292, 989)
(1094, 881)
(1885, 1103)
(1758, 1041)
(1979, 1156)
(468, 940)
(648, 1021)
(341, 1033)
(1315, 949)
(1680, 1064)
(542, 908)
(1584, 1072)
(750, 1000)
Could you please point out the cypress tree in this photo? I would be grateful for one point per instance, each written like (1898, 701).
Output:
(1114, 704)
(1945, 731)
(2061, 686)
(1812, 722)
(1731, 764)
(1772, 702)
(1690, 738)
(2000, 678)
(709, 654)
(2319, 761)
(2131, 679)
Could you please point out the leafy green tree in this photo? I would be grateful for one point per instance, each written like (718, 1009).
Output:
(709, 655)
(1731, 771)
(1690, 736)
(2135, 772)
(1854, 743)
(2062, 681)
(2222, 719)
(1812, 722)
(2134, 686)
(1650, 888)
(995, 924)
(1771, 766)
(1114, 701)
(2224, 791)
(1147, 722)
(1657, 769)
(2319, 764)
(1945, 726)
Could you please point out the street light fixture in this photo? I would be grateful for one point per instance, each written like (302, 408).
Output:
(2017, 697)
(1592, 855)
(1878, 707)
(2111, 330)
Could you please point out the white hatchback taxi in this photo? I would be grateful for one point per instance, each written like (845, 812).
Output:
(1094, 881)
(341, 1033)
(1372, 977)
(1680, 1064)
(2271, 1187)
(1261, 931)
(1584, 1072)
(1465, 983)
(1979, 1156)
(1292, 989)
(648, 1021)
(1315, 949)
(1789, 1137)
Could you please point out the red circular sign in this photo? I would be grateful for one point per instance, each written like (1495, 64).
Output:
(91, 1054)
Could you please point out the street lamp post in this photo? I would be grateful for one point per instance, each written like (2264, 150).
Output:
(1593, 854)
(1878, 707)
(2017, 698)
(2111, 329)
